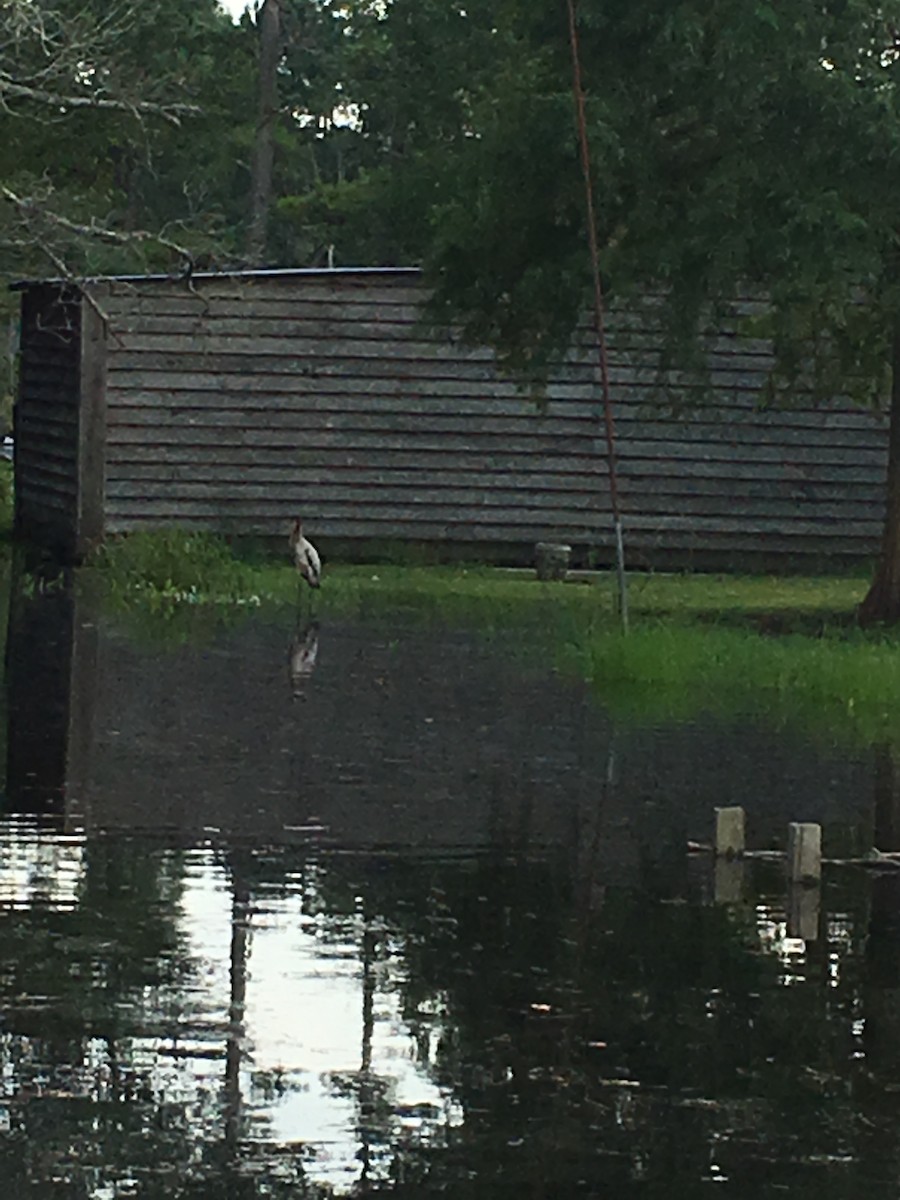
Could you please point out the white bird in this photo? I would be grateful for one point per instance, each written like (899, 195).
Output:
(306, 556)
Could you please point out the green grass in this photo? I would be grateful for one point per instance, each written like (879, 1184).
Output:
(845, 688)
(783, 648)
(164, 570)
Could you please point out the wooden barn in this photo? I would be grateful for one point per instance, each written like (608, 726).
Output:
(235, 401)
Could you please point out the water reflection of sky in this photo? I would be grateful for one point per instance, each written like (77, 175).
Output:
(39, 870)
(307, 1061)
(304, 1024)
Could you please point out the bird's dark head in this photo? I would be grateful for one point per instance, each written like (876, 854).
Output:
(296, 531)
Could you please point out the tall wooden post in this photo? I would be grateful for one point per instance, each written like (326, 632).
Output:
(91, 466)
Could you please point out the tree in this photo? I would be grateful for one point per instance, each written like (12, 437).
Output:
(270, 50)
(378, 94)
(118, 83)
(734, 143)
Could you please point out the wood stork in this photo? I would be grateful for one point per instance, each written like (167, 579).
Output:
(306, 556)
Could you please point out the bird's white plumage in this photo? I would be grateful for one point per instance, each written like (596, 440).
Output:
(306, 556)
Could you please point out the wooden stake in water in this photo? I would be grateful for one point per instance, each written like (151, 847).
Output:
(728, 880)
(804, 855)
(729, 831)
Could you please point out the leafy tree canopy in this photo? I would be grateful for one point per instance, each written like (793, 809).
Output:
(734, 144)
(93, 99)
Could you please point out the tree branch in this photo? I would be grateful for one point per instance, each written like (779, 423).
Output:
(29, 209)
(169, 112)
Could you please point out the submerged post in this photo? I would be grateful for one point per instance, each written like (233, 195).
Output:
(729, 831)
(728, 880)
(804, 854)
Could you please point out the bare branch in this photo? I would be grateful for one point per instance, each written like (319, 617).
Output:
(30, 209)
(89, 298)
(169, 112)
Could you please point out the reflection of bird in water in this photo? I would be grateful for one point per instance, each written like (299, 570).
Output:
(302, 660)
(306, 556)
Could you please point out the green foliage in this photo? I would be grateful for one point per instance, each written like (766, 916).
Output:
(149, 95)
(845, 688)
(166, 568)
(733, 144)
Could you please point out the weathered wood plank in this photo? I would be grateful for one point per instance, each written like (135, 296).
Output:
(270, 355)
(280, 376)
(582, 517)
(238, 456)
(46, 415)
(414, 353)
(797, 456)
(325, 495)
(31, 437)
(642, 544)
(324, 481)
(664, 496)
(488, 416)
(581, 405)
(52, 499)
(244, 434)
(37, 460)
(350, 402)
(374, 324)
(286, 381)
(321, 366)
(234, 429)
(349, 423)
(373, 315)
(384, 495)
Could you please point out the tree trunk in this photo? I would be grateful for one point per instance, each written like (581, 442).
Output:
(264, 146)
(882, 602)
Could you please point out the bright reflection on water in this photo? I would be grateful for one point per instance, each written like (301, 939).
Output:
(420, 920)
(282, 1025)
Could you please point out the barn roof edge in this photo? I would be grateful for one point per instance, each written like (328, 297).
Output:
(21, 285)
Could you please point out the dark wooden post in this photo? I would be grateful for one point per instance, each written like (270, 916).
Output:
(89, 527)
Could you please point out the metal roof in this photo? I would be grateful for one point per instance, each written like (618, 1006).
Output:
(261, 273)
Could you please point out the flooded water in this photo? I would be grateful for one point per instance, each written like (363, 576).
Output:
(390, 908)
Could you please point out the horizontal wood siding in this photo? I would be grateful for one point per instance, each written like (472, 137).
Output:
(47, 418)
(235, 403)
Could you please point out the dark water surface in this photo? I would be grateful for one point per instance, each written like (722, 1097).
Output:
(390, 908)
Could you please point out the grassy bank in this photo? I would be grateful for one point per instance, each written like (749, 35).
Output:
(787, 647)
